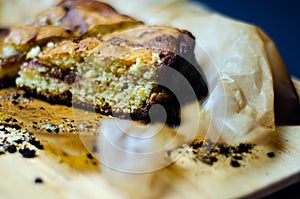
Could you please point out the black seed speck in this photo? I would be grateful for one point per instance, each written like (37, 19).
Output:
(16, 95)
(36, 143)
(271, 154)
(224, 150)
(27, 153)
(235, 163)
(243, 148)
(22, 107)
(38, 180)
(16, 126)
(90, 156)
(19, 141)
(237, 157)
(14, 102)
(12, 149)
(7, 120)
(56, 130)
(213, 159)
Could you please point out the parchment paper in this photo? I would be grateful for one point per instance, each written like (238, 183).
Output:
(233, 57)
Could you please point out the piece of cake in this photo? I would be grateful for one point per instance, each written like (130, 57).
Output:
(120, 67)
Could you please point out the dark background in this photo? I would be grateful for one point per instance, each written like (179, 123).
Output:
(278, 18)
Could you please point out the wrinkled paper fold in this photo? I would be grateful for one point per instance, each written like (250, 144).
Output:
(235, 62)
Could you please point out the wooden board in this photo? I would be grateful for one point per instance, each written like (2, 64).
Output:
(69, 172)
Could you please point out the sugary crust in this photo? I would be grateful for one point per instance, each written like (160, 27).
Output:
(45, 33)
(92, 6)
(84, 18)
(21, 35)
(55, 55)
(158, 37)
(69, 48)
(88, 44)
(67, 54)
(24, 37)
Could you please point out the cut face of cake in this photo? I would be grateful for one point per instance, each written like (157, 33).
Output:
(76, 53)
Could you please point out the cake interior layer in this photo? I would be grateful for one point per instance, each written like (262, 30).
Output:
(112, 84)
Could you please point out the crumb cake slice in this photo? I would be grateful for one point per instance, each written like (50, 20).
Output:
(85, 53)
(123, 74)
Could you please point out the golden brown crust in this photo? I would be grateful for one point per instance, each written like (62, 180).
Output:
(21, 35)
(159, 38)
(63, 49)
(50, 32)
(121, 51)
(84, 18)
(91, 6)
(24, 37)
(83, 22)
(88, 44)
(67, 54)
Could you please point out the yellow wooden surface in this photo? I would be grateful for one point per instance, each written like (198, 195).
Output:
(68, 172)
